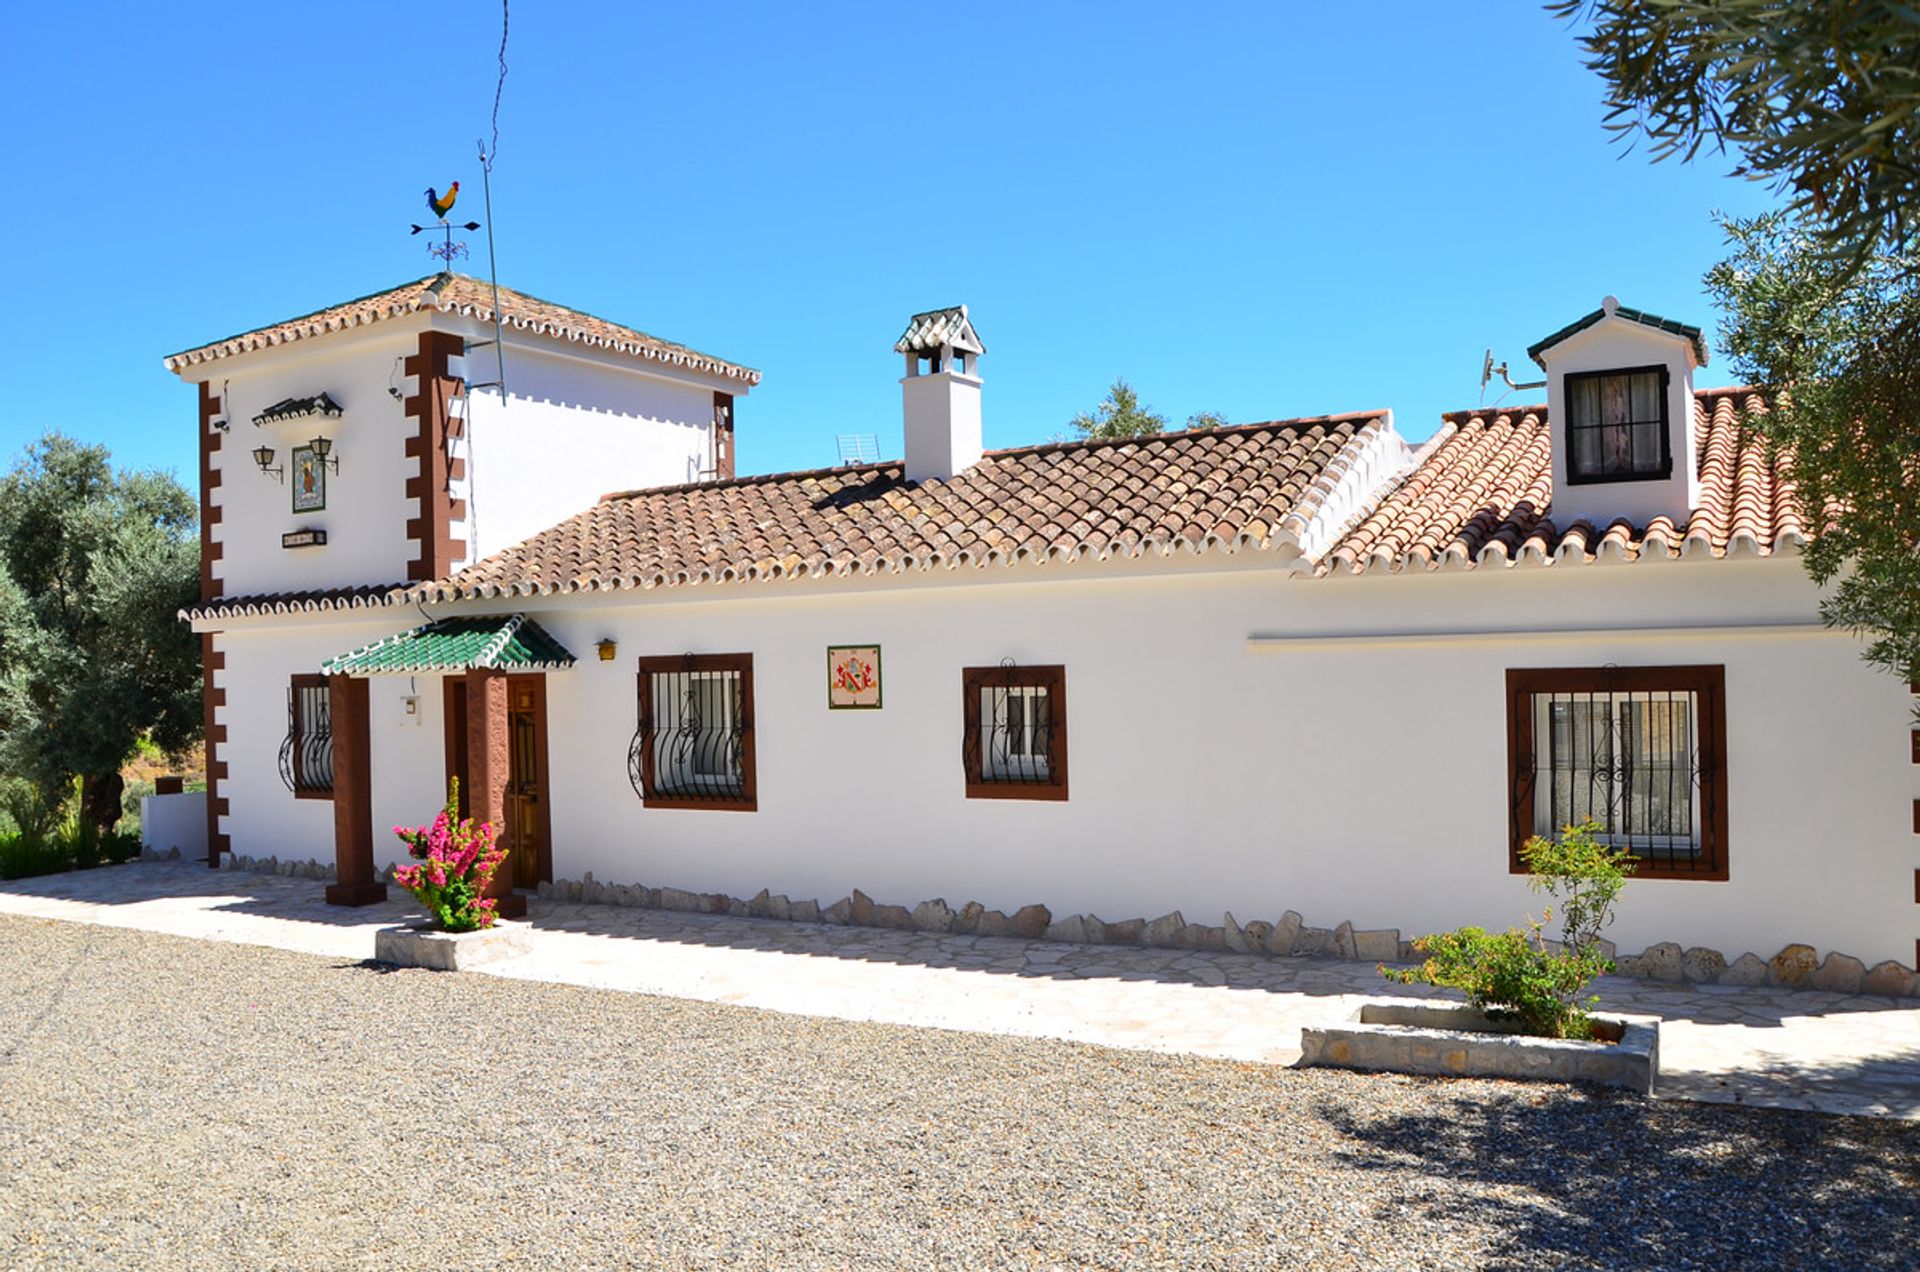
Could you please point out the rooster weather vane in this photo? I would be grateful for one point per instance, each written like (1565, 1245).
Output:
(440, 204)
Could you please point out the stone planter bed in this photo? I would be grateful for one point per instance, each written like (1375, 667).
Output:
(419, 945)
(1454, 1040)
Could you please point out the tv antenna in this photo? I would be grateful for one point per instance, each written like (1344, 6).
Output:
(1488, 370)
(858, 448)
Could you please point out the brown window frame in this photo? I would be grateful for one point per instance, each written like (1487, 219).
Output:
(641, 761)
(1052, 678)
(302, 789)
(1706, 682)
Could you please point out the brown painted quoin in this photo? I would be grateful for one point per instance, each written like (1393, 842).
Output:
(430, 406)
(212, 661)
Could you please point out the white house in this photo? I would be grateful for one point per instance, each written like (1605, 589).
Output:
(1294, 672)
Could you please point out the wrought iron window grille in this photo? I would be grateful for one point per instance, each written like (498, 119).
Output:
(693, 744)
(306, 753)
(1014, 731)
(1638, 750)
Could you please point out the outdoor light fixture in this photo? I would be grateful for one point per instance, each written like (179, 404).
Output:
(322, 448)
(607, 649)
(263, 456)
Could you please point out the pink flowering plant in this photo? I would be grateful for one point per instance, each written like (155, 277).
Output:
(454, 860)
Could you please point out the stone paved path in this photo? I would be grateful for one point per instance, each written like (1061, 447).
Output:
(1835, 1053)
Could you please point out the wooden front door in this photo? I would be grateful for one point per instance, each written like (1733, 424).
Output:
(528, 823)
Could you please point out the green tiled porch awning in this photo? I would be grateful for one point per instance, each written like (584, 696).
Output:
(511, 642)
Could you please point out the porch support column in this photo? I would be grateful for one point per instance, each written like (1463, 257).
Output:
(489, 760)
(352, 796)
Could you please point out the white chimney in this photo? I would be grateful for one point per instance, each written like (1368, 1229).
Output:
(940, 393)
(1620, 404)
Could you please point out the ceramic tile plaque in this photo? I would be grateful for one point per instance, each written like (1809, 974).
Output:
(853, 677)
(309, 481)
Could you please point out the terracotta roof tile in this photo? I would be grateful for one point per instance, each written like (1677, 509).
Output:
(1481, 491)
(471, 298)
(1249, 487)
(370, 596)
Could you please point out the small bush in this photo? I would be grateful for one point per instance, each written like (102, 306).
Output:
(47, 840)
(27, 810)
(454, 860)
(1516, 975)
(23, 855)
(1582, 875)
(1512, 975)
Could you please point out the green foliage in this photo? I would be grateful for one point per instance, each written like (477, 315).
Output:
(26, 809)
(1821, 100)
(1512, 975)
(1207, 419)
(1836, 350)
(48, 839)
(1582, 875)
(1120, 415)
(23, 856)
(94, 565)
(1517, 975)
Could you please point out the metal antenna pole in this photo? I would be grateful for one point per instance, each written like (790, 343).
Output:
(493, 271)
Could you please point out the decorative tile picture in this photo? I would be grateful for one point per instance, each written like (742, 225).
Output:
(853, 677)
(309, 481)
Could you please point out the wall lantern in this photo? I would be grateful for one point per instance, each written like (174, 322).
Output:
(607, 650)
(263, 456)
(323, 453)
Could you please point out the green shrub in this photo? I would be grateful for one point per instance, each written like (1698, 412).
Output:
(23, 855)
(1582, 875)
(26, 808)
(48, 841)
(1512, 975)
(1516, 975)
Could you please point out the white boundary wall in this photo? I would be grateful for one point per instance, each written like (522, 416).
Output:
(174, 821)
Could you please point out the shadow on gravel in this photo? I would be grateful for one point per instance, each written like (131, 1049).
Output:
(1586, 1177)
(241, 892)
(995, 955)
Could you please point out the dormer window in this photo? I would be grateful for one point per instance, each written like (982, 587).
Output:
(1617, 426)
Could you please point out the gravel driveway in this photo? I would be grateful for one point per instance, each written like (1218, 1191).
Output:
(166, 1102)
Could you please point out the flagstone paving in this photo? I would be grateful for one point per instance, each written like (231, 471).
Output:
(1789, 1049)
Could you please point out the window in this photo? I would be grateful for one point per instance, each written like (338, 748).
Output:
(306, 755)
(1617, 426)
(1016, 732)
(1641, 750)
(694, 746)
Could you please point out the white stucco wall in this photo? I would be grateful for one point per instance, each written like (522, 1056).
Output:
(367, 508)
(408, 764)
(1355, 781)
(577, 424)
(175, 822)
(1215, 764)
(573, 428)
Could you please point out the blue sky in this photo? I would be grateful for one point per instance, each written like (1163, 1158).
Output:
(1263, 210)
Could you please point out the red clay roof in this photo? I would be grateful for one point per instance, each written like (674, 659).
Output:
(1481, 492)
(471, 298)
(316, 601)
(1251, 487)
